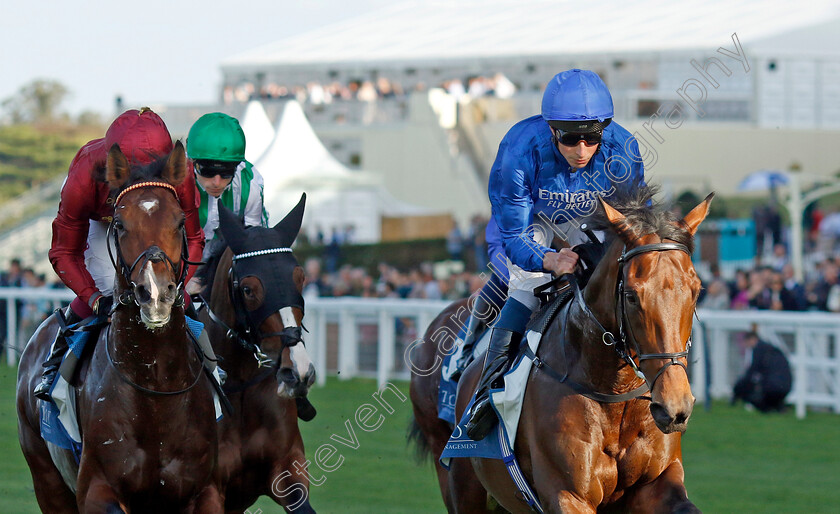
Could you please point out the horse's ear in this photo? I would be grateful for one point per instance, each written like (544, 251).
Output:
(232, 229)
(613, 215)
(116, 168)
(693, 219)
(176, 166)
(289, 226)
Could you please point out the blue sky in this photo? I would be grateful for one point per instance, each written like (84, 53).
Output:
(154, 51)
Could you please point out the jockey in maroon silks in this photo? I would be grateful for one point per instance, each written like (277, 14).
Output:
(79, 253)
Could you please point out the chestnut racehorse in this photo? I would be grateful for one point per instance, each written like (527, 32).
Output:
(587, 440)
(254, 318)
(145, 404)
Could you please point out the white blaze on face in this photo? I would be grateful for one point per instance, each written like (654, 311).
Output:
(155, 313)
(149, 206)
(300, 359)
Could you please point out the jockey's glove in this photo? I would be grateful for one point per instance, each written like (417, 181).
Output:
(102, 305)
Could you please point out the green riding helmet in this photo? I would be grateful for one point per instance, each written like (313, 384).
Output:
(216, 137)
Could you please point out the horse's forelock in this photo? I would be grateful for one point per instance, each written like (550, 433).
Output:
(142, 173)
(643, 215)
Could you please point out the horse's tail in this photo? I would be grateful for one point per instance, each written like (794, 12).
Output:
(422, 449)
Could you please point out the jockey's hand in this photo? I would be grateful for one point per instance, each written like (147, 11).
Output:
(560, 262)
(194, 286)
(102, 305)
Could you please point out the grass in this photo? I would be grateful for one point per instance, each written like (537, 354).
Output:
(736, 461)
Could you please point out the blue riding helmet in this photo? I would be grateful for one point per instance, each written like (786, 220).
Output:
(577, 101)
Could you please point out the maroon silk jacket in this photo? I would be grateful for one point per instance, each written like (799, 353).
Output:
(143, 137)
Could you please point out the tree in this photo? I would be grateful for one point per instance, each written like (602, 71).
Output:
(36, 102)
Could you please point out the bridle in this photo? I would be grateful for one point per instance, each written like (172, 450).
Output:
(151, 254)
(246, 329)
(620, 344)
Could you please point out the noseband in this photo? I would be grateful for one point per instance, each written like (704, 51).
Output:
(152, 254)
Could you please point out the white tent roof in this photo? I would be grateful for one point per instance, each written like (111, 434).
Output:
(436, 30)
(259, 132)
(297, 153)
(298, 162)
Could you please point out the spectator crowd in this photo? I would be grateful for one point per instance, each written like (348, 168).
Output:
(773, 286)
(317, 93)
(770, 285)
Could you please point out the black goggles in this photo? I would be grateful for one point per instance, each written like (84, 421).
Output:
(573, 138)
(209, 169)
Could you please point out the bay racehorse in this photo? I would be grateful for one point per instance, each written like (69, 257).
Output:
(588, 441)
(145, 404)
(254, 315)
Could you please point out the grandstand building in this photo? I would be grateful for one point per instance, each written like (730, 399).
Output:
(422, 92)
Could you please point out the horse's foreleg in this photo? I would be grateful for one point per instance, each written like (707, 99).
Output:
(97, 496)
(665, 494)
(569, 503)
(210, 500)
(467, 494)
(290, 488)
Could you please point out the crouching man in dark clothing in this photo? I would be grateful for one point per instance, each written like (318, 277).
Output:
(767, 381)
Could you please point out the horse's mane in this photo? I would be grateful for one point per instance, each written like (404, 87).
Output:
(643, 216)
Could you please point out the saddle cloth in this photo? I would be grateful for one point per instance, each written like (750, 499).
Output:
(59, 419)
(507, 402)
(449, 388)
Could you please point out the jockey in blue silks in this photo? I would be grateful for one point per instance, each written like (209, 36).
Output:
(549, 172)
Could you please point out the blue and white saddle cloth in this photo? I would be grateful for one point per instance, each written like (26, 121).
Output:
(507, 402)
(448, 388)
(59, 420)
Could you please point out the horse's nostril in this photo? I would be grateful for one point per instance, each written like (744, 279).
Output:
(142, 294)
(287, 376)
(660, 414)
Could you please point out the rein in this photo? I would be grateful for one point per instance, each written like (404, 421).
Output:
(140, 388)
(620, 344)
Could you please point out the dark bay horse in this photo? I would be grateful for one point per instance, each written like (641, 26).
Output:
(254, 318)
(590, 452)
(145, 405)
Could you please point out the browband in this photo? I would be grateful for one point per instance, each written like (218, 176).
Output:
(145, 184)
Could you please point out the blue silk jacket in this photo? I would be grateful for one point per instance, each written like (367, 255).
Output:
(531, 181)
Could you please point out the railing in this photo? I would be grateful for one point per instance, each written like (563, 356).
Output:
(353, 337)
(17, 301)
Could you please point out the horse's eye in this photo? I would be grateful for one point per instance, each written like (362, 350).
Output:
(631, 297)
(247, 291)
(118, 225)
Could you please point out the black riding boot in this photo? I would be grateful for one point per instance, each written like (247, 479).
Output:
(470, 338)
(59, 348)
(482, 418)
